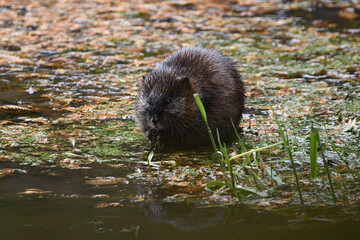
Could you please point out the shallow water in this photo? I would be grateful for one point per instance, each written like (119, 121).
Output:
(74, 208)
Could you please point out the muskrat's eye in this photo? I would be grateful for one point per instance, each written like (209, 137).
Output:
(168, 101)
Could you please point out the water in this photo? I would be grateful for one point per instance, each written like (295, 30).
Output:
(75, 209)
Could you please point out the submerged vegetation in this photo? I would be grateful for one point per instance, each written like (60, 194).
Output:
(237, 174)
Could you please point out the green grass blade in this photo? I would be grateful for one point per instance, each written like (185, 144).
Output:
(326, 166)
(247, 157)
(225, 154)
(313, 152)
(229, 183)
(256, 150)
(149, 158)
(203, 113)
(242, 144)
(287, 147)
(223, 150)
(235, 130)
(200, 106)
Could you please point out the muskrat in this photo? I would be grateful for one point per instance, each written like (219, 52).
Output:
(166, 109)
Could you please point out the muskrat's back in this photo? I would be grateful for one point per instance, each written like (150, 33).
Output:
(166, 110)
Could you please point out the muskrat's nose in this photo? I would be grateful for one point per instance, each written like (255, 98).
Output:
(154, 119)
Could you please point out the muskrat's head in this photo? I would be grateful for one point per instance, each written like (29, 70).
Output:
(165, 102)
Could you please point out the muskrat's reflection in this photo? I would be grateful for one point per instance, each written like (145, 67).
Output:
(187, 217)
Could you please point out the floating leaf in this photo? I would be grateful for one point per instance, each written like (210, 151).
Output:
(246, 191)
(13, 109)
(213, 185)
(273, 174)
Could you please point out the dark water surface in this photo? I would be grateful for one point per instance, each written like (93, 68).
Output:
(74, 209)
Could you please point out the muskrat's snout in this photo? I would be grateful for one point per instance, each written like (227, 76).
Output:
(155, 120)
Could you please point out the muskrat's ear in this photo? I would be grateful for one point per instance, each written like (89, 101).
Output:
(184, 79)
(185, 83)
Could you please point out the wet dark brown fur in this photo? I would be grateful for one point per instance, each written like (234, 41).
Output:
(166, 109)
